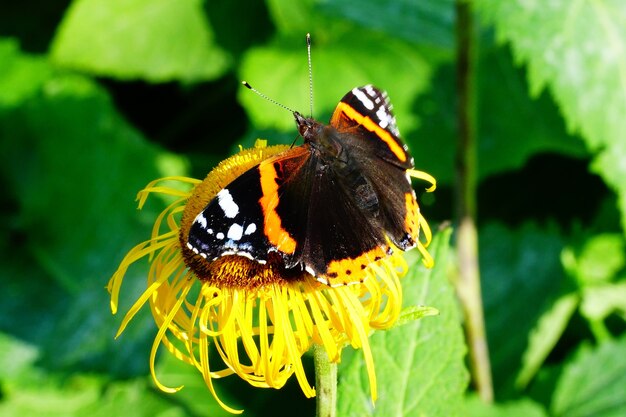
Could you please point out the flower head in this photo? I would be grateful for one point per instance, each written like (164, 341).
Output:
(259, 318)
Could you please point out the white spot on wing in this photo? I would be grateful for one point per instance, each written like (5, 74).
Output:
(369, 104)
(220, 235)
(250, 229)
(383, 115)
(226, 202)
(200, 219)
(235, 232)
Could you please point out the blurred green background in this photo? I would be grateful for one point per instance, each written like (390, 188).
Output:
(97, 98)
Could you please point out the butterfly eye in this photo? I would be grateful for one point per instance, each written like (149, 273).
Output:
(304, 124)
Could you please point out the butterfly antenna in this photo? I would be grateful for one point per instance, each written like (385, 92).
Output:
(260, 94)
(308, 51)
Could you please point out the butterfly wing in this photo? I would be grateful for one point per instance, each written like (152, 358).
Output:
(365, 117)
(241, 219)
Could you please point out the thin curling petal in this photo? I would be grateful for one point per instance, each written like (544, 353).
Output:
(424, 176)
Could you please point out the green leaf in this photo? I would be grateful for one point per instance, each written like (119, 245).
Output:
(430, 22)
(598, 261)
(155, 40)
(20, 76)
(16, 357)
(137, 398)
(521, 274)
(594, 383)
(598, 302)
(48, 395)
(473, 406)
(253, 27)
(339, 64)
(545, 335)
(578, 50)
(295, 17)
(51, 398)
(419, 366)
(195, 394)
(413, 313)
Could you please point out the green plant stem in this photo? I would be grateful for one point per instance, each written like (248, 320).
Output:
(467, 238)
(325, 383)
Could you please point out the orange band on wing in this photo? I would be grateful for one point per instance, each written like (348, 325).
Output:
(412, 217)
(352, 270)
(372, 126)
(274, 231)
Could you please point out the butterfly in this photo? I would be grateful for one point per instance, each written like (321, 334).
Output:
(331, 206)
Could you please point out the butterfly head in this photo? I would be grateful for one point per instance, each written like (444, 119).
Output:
(307, 127)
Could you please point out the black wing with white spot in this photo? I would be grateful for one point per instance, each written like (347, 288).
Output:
(369, 111)
(232, 223)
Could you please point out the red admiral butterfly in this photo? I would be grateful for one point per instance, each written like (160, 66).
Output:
(331, 206)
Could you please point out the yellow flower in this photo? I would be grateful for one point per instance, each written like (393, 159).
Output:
(258, 321)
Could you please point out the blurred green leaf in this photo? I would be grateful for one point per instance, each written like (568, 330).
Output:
(195, 395)
(578, 50)
(545, 335)
(593, 383)
(20, 76)
(71, 168)
(51, 398)
(598, 302)
(295, 17)
(155, 40)
(473, 406)
(340, 64)
(598, 261)
(521, 275)
(419, 366)
(136, 398)
(253, 23)
(427, 22)
(49, 395)
(16, 358)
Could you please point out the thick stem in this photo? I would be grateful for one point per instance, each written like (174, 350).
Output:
(325, 383)
(467, 238)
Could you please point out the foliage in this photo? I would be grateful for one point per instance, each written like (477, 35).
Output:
(98, 98)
